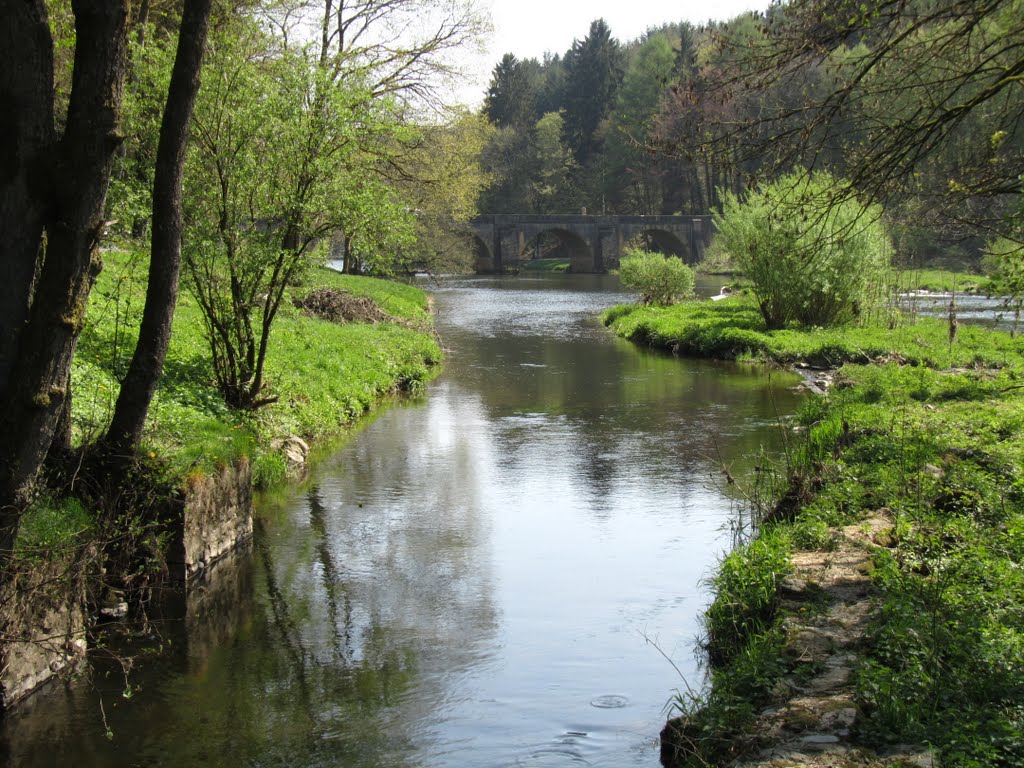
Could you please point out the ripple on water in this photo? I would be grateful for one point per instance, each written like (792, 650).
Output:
(553, 756)
(610, 701)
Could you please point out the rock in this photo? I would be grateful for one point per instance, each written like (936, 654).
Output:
(910, 755)
(820, 739)
(792, 588)
(294, 449)
(808, 644)
(114, 611)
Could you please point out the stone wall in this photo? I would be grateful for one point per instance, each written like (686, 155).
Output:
(217, 517)
(43, 610)
(42, 626)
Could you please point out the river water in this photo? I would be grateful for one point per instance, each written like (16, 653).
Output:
(490, 575)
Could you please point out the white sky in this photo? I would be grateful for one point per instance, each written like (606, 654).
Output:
(529, 28)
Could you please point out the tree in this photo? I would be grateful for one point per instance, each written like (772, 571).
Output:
(393, 48)
(1004, 260)
(635, 174)
(443, 190)
(375, 224)
(510, 160)
(913, 100)
(53, 187)
(699, 111)
(553, 190)
(139, 384)
(274, 140)
(593, 73)
(510, 96)
(812, 259)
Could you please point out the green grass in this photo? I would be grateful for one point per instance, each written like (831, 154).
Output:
(546, 265)
(938, 281)
(943, 664)
(51, 527)
(325, 375)
(930, 432)
(733, 329)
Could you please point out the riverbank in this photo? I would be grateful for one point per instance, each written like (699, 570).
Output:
(188, 500)
(324, 374)
(876, 617)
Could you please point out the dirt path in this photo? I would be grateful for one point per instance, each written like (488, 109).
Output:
(831, 601)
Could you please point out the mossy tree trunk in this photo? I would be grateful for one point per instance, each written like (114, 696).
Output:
(53, 193)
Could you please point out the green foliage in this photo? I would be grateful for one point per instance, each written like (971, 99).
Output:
(660, 280)
(710, 725)
(593, 69)
(509, 99)
(547, 265)
(443, 181)
(936, 280)
(1004, 262)
(50, 527)
(746, 594)
(813, 256)
(635, 177)
(555, 166)
(269, 468)
(716, 260)
(271, 172)
(943, 664)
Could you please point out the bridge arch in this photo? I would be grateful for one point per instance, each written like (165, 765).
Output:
(661, 241)
(483, 256)
(573, 245)
(594, 243)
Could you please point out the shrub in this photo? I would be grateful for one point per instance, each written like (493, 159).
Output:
(661, 280)
(815, 257)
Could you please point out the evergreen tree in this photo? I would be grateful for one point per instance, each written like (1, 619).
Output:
(593, 73)
(509, 100)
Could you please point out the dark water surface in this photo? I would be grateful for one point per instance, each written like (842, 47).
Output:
(478, 578)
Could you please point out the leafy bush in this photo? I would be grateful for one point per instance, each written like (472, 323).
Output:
(814, 257)
(661, 280)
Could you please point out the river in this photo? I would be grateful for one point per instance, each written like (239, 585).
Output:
(493, 574)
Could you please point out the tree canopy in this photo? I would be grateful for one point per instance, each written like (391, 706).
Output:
(916, 105)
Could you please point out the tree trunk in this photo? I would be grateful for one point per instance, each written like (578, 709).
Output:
(26, 146)
(35, 387)
(147, 363)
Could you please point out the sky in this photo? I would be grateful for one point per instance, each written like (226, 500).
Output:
(529, 28)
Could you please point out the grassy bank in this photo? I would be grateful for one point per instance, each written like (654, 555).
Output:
(920, 467)
(939, 281)
(733, 329)
(325, 374)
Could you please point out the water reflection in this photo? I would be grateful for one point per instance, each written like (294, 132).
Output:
(473, 580)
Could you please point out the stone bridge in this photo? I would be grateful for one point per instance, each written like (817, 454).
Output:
(592, 243)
